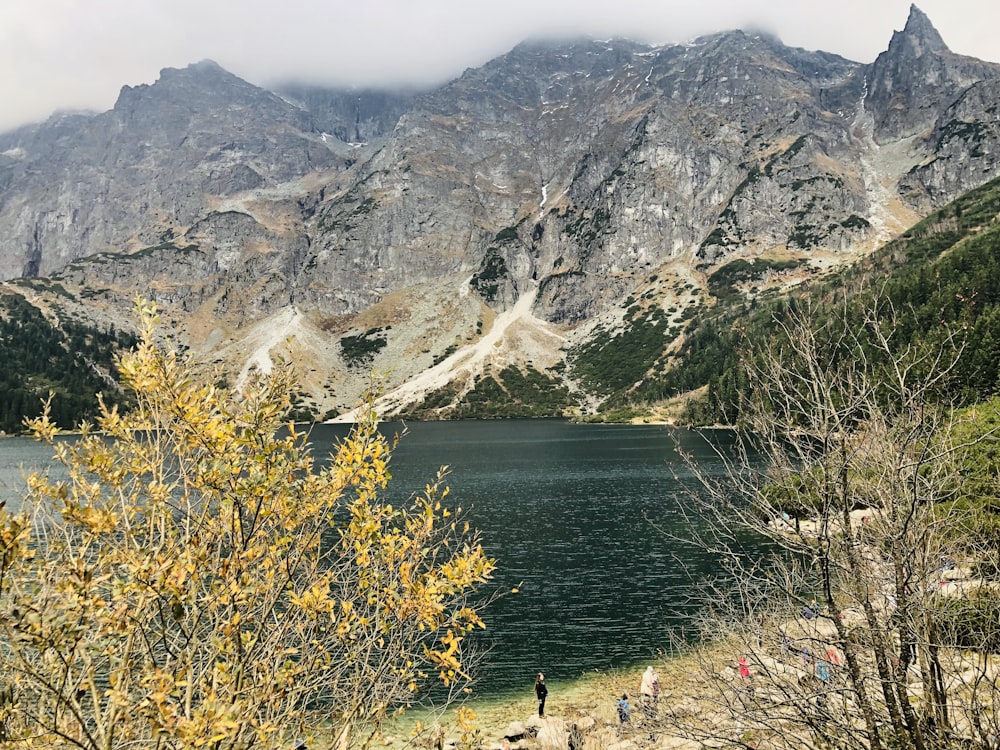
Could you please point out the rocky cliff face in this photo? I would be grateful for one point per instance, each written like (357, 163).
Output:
(593, 176)
(353, 117)
(157, 162)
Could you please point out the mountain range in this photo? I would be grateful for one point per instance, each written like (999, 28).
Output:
(534, 237)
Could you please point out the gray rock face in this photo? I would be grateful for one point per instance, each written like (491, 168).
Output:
(964, 149)
(350, 116)
(586, 172)
(156, 162)
(916, 77)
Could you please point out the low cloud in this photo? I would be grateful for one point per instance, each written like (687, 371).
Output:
(66, 54)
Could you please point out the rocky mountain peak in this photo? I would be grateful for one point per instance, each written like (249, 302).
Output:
(204, 69)
(201, 84)
(919, 31)
(915, 78)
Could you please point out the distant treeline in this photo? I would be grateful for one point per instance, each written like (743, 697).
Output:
(72, 361)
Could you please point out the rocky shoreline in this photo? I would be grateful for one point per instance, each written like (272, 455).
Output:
(589, 702)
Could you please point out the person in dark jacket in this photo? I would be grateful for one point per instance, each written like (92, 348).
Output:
(540, 692)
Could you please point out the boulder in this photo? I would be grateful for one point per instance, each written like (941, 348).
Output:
(553, 733)
(516, 730)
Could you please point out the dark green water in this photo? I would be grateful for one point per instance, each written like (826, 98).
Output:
(565, 509)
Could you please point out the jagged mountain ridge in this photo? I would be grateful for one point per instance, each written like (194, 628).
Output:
(591, 176)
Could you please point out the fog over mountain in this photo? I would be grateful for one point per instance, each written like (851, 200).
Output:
(62, 54)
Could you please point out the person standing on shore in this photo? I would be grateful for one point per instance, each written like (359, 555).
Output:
(744, 668)
(823, 671)
(745, 676)
(541, 692)
(646, 691)
(624, 712)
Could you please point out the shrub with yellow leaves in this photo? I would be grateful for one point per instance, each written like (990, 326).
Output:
(193, 577)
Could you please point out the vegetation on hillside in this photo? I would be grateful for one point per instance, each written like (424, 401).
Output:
(359, 350)
(72, 361)
(613, 363)
(941, 277)
(511, 392)
(722, 283)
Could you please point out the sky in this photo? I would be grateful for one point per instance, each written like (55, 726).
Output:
(77, 54)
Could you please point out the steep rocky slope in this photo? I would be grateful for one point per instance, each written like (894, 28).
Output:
(603, 182)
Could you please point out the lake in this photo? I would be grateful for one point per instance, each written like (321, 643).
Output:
(566, 510)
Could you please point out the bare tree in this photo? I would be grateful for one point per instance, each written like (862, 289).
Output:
(844, 481)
